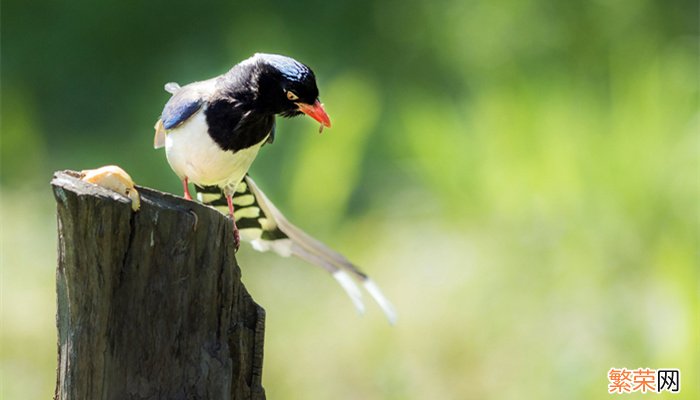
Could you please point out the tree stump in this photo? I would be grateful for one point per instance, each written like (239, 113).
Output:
(150, 303)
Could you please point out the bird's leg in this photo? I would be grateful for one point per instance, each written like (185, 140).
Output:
(236, 235)
(187, 189)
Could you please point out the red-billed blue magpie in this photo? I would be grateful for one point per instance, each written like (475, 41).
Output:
(212, 131)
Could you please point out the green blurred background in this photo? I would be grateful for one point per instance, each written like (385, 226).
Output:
(520, 177)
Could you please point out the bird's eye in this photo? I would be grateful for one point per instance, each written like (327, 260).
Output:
(291, 96)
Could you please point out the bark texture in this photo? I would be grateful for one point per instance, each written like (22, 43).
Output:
(150, 303)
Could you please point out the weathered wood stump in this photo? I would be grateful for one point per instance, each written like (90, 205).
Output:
(150, 303)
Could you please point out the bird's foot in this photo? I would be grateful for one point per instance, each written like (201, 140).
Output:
(236, 237)
(186, 187)
(236, 234)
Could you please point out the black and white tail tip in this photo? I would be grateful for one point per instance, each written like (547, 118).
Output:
(263, 225)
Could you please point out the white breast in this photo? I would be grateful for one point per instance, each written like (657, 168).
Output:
(192, 153)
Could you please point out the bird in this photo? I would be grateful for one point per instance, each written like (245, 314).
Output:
(212, 131)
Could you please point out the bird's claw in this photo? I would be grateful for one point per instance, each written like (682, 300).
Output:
(236, 239)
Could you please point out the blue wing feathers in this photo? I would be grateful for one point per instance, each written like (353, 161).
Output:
(186, 101)
(178, 110)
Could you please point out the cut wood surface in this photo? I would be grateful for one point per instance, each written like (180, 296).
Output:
(150, 303)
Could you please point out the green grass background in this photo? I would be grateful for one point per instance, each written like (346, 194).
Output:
(520, 177)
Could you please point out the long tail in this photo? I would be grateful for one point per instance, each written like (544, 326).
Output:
(263, 225)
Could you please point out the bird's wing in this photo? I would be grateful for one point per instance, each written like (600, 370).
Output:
(184, 103)
(263, 225)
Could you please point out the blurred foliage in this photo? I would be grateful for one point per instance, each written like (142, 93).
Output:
(521, 177)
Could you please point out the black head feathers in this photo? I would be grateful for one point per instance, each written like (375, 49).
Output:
(272, 83)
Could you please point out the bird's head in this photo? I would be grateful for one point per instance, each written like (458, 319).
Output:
(287, 87)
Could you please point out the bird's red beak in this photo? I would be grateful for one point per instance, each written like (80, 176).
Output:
(316, 112)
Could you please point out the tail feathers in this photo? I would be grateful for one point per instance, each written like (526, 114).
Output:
(301, 238)
(264, 226)
(378, 296)
(351, 289)
(343, 278)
